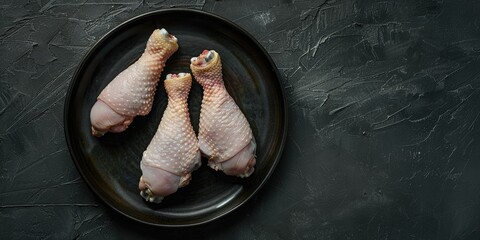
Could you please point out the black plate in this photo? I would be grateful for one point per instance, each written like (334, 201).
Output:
(110, 165)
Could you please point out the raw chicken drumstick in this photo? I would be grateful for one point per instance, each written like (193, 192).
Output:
(173, 152)
(132, 91)
(225, 136)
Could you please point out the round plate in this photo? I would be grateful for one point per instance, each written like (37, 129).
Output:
(110, 164)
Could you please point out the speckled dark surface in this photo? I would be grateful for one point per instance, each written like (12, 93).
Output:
(383, 140)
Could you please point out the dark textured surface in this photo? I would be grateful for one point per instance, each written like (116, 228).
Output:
(383, 138)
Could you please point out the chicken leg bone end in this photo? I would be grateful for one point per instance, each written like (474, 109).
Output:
(155, 183)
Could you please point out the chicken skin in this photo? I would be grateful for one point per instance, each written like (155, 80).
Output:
(225, 136)
(132, 91)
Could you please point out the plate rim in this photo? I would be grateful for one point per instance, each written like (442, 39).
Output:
(74, 82)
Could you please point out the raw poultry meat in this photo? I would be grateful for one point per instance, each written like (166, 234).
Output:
(225, 136)
(132, 91)
(173, 152)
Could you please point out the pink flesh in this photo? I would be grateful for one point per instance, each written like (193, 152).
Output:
(200, 59)
(161, 182)
(242, 163)
(104, 119)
